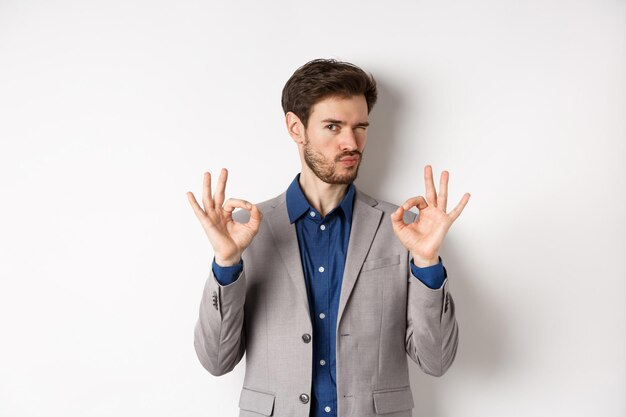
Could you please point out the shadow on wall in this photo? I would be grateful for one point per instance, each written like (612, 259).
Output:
(481, 332)
(482, 336)
(381, 140)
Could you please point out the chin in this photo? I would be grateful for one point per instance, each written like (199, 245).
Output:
(341, 179)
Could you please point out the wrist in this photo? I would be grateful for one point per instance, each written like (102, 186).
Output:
(422, 262)
(227, 261)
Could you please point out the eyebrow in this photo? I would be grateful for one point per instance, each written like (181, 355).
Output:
(342, 123)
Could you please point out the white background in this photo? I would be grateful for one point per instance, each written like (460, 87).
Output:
(111, 110)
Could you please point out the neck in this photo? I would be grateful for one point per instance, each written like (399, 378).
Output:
(321, 195)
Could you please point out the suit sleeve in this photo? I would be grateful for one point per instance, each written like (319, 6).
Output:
(219, 336)
(432, 331)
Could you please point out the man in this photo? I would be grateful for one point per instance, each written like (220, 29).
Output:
(325, 288)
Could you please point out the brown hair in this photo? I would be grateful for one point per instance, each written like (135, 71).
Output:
(322, 78)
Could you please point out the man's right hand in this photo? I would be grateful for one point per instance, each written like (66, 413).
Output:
(228, 238)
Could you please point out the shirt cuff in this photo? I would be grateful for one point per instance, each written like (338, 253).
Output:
(226, 275)
(432, 276)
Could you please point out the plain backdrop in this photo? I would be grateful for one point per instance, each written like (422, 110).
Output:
(111, 110)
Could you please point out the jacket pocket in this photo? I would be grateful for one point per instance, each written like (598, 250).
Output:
(256, 401)
(380, 263)
(393, 400)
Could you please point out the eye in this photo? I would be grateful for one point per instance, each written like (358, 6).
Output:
(333, 127)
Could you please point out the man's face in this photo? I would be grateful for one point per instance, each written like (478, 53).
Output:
(335, 138)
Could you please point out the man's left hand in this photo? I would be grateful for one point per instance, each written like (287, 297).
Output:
(424, 237)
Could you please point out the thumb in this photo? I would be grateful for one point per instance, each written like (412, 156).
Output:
(397, 218)
(255, 218)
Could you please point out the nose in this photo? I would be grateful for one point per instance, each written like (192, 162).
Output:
(348, 140)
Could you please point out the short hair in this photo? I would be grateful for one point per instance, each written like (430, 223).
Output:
(322, 78)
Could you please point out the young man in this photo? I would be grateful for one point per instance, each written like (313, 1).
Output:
(325, 288)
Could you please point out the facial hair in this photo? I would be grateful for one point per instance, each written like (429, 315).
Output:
(325, 169)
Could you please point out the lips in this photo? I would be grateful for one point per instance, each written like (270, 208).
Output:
(349, 161)
(349, 157)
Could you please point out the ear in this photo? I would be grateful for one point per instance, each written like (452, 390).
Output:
(295, 127)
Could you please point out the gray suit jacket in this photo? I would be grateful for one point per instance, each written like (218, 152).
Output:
(384, 313)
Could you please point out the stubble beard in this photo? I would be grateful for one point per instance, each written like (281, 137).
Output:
(325, 169)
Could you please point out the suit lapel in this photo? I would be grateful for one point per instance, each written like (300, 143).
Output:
(286, 240)
(365, 222)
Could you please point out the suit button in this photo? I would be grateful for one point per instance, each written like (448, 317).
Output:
(306, 338)
(304, 398)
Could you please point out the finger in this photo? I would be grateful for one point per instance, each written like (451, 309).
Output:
(218, 198)
(456, 212)
(442, 198)
(431, 194)
(200, 214)
(255, 218)
(207, 201)
(419, 202)
(397, 217)
(233, 203)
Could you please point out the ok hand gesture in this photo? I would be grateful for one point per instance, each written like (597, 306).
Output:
(228, 238)
(424, 237)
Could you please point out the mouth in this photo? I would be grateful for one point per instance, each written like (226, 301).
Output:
(349, 160)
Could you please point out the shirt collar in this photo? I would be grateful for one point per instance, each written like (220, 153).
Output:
(297, 204)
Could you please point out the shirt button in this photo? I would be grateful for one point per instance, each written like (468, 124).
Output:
(322, 316)
(304, 398)
(306, 338)
(323, 227)
(321, 269)
(327, 409)
(322, 362)
(312, 214)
